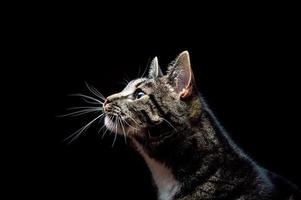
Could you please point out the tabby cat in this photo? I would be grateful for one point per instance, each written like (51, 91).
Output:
(188, 153)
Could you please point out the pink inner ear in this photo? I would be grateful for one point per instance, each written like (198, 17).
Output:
(181, 74)
(184, 93)
(183, 81)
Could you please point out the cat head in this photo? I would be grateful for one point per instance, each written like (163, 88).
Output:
(157, 107)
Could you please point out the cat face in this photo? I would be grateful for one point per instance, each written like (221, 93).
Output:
(153, 108)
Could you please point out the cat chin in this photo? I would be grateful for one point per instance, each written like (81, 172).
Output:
(112, 126)
(138, 135)
(117, 128)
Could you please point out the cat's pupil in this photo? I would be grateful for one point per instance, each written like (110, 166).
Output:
(140, 95)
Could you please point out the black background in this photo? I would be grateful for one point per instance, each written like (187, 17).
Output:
(245, 64)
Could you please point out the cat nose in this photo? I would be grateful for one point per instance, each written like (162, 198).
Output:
(105, 104)
(109, 100)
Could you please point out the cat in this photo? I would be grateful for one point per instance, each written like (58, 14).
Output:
(188, 153)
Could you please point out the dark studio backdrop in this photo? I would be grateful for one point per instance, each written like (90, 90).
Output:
(245, 67)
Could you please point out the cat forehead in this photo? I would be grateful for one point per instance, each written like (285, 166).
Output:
(135, 83)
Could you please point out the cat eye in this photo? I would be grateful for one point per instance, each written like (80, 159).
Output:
(139, 94)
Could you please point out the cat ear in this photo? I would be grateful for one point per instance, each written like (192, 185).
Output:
(180, 75)
(154, 70)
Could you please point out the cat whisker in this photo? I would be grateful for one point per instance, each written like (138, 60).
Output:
(116, 128)
(91, 102)
(117, 108)
(169, 123)
(132, 119)
(88, 97)
(103, 126)
(80, 112)
(77, 133)
(84, 107)
(130, 124)
(94, 91)
(121, 122)
(103, 135)
(147, 66)
(139, 71)
(125, 81)
(101, 120)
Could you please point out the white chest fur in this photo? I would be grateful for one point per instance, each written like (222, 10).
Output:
(164, 179)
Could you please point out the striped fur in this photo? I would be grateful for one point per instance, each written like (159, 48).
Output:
(189, 154)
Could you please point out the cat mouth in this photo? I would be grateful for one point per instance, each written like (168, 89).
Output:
(154, 135)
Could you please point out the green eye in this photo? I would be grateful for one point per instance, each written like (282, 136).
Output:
(139, 95)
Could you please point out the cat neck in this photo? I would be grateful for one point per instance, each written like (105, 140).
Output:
(197, 160)
(166, 184)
